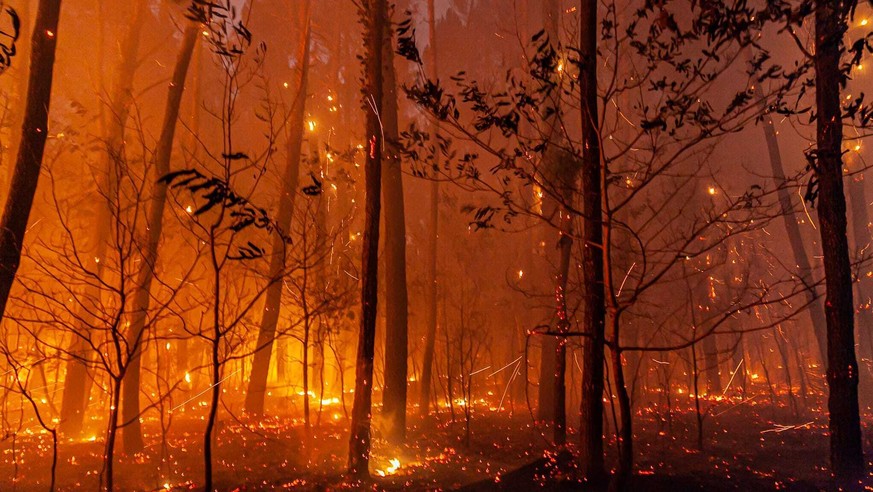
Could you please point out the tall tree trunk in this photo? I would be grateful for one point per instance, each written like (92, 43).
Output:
(552, 386)
(132, 431)
(396, 297)
(75, 390)
(795, 240)
(847, 461)
(591, 427)
(34, 131)
(273, 302)
(861, 238)
(432, 251)
(374, 15)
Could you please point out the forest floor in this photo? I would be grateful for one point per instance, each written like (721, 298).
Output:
(748, 445)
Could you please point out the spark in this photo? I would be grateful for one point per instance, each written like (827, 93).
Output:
(732, 377)
(504, 367)
(805, 210)
(204, 391)
(508, 383)
(782, 428)
(626, 275)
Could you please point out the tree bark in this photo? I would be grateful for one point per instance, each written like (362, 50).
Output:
(591, 427)
(847, 463)
(374, 14)
(396, 298)
(272, 305)
(34, 131)
(132, 431)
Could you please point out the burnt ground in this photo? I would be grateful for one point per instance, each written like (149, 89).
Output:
(747, 446)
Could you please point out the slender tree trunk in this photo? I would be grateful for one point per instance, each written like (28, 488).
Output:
(563, 324)
(307, 331)
(847, 461)
(432, 252)
(795, 239)
(111, 434)
(552, 386)
(396, 298)
(625, 433)
(591, 428)
(34, 131)
(861, 237)
(215, 363)
(272, 305)
(374, 14)
(76, 391)
(132, 434)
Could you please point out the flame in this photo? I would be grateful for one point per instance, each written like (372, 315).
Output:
(392, 469)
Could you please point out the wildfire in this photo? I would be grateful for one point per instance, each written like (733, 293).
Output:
(394, 465)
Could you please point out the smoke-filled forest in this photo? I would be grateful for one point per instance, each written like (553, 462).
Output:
(478, 245)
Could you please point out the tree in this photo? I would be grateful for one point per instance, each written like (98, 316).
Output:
(198, 14)
(374, 16)
(34, 132)
(76, 391)
(426, 384)
(396, 298)
(847, 460)
(272, 305)
(594, 324)
(795, 240)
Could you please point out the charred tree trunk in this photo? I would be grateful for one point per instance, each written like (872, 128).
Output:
(132, 433)
(795, 240)
(34, 131)
(591, 427)
(396, 300)
(374, 16)
(272, 305)
(847, 461)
